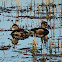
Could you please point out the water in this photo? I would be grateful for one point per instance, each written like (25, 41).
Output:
(23, 50)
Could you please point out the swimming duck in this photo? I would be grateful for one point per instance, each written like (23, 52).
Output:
(20, 34)
(40, 32)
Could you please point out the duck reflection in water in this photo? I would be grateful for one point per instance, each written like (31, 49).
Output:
(34, 52)
(45, 39)
(14, 42)
(34, 49)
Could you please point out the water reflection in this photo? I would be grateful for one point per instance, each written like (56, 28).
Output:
(14, 41)
(41, 20)
(45, 39)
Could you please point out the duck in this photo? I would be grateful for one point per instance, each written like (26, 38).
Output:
(41, 31)
(20, 34)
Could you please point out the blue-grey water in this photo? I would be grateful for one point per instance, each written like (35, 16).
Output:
(24, 51)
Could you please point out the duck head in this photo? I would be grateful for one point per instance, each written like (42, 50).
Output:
(44, 24)
(15, 27)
